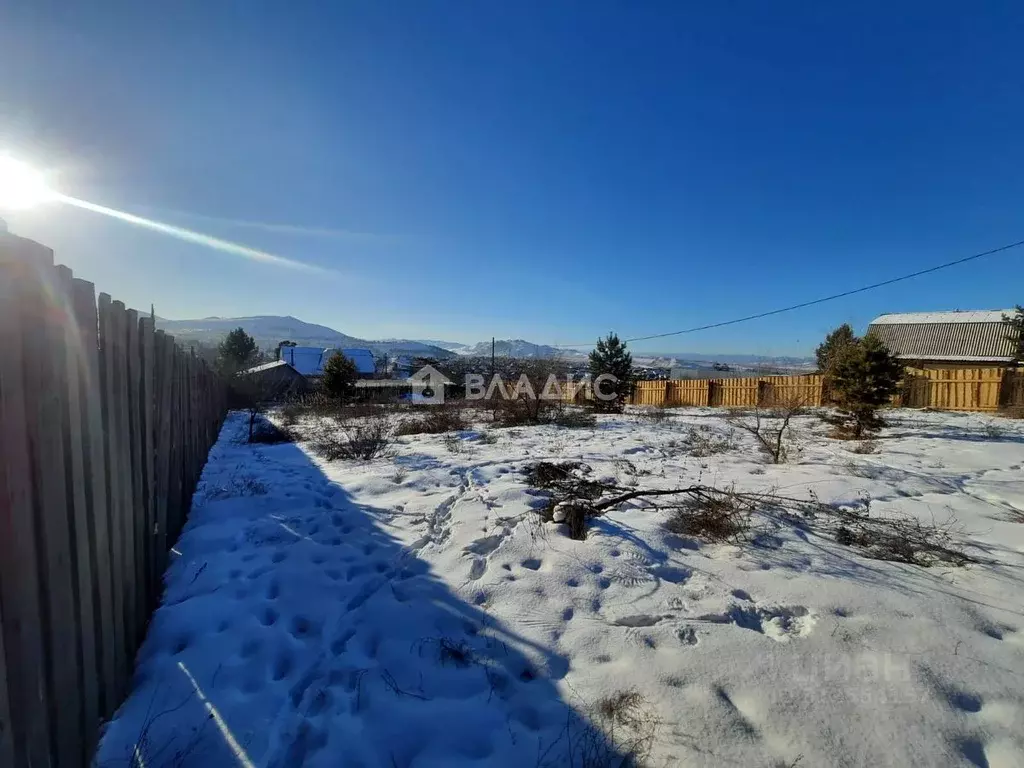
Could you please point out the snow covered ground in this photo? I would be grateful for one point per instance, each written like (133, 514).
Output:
(413, 611)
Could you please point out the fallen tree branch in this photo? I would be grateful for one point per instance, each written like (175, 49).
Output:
(723, 514)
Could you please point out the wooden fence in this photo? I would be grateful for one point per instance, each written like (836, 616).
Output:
(953, 389)
(104, 429)
(730, 393)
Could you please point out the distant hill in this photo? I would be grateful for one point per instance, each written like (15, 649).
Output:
(516, 348)
(268, 330)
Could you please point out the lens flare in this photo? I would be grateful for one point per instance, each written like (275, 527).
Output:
(21, 186)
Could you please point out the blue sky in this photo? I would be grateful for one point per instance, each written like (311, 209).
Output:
(542, 170)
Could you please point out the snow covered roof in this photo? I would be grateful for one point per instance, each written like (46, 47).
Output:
(263, 367)
(969, 337)
(363, 358)
(967, 316)
(310, 361)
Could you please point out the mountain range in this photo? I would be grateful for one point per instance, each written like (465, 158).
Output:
(269, 330)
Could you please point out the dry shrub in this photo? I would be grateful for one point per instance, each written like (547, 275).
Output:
(713, 515)
(290, 413)
(265, 432)
(653, 414)
(703, 441)
(437, 420)
(902, 539)
(362, 440)
(574, 418)
(624, 726)
(865, 447)
(1012, 412)
(453, 443)
(488, 438)
(525, 411)
(770, 427)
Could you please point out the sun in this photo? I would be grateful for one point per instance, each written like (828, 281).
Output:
(21, 186)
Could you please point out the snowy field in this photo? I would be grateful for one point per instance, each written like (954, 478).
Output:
(416, 611)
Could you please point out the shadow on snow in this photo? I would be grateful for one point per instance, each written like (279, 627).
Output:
(295, 630)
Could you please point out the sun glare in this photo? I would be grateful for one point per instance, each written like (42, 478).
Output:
(21, 186)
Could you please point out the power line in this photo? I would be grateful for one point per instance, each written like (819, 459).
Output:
(822, 300)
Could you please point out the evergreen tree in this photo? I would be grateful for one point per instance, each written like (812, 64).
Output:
(610, 358)
(835, 341)
(1015, 333)
(237, 351)
(863, 375)
(277, 349)
(340, 377)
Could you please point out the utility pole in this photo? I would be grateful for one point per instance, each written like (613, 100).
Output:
(492, 357)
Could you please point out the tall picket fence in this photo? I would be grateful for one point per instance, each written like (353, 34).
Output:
(105, 425)
(731, 393)
(951, 389)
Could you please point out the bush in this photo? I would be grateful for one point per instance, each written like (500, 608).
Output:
(266, 432)
(611, 360)
(355, 440)
(770, 427)
(865, 447)
(714, 516)
(653, 414)
(703, 441)
(1013, 412)
(574, 418)
(438, 420)
(523, 411)
(862, 377)
(340, 377)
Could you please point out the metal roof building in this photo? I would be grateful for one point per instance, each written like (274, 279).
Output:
(973, 337)
(310, 361)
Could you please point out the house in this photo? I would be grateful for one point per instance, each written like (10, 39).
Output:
(310, 361)
(947, 339)
(276, 381)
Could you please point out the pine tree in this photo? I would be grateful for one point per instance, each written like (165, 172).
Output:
(340, 377)
(277, 349)
(835, 341)
(610, 358)
(237, 351)
(863, 375)
(1015, 333)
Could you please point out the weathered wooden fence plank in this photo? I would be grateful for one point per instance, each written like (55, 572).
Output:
(146, 418)
(94, 472)
(45, 405)
(68, 346)
(122, 444)
(19, 558)
(114, 481)
(6, 725)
